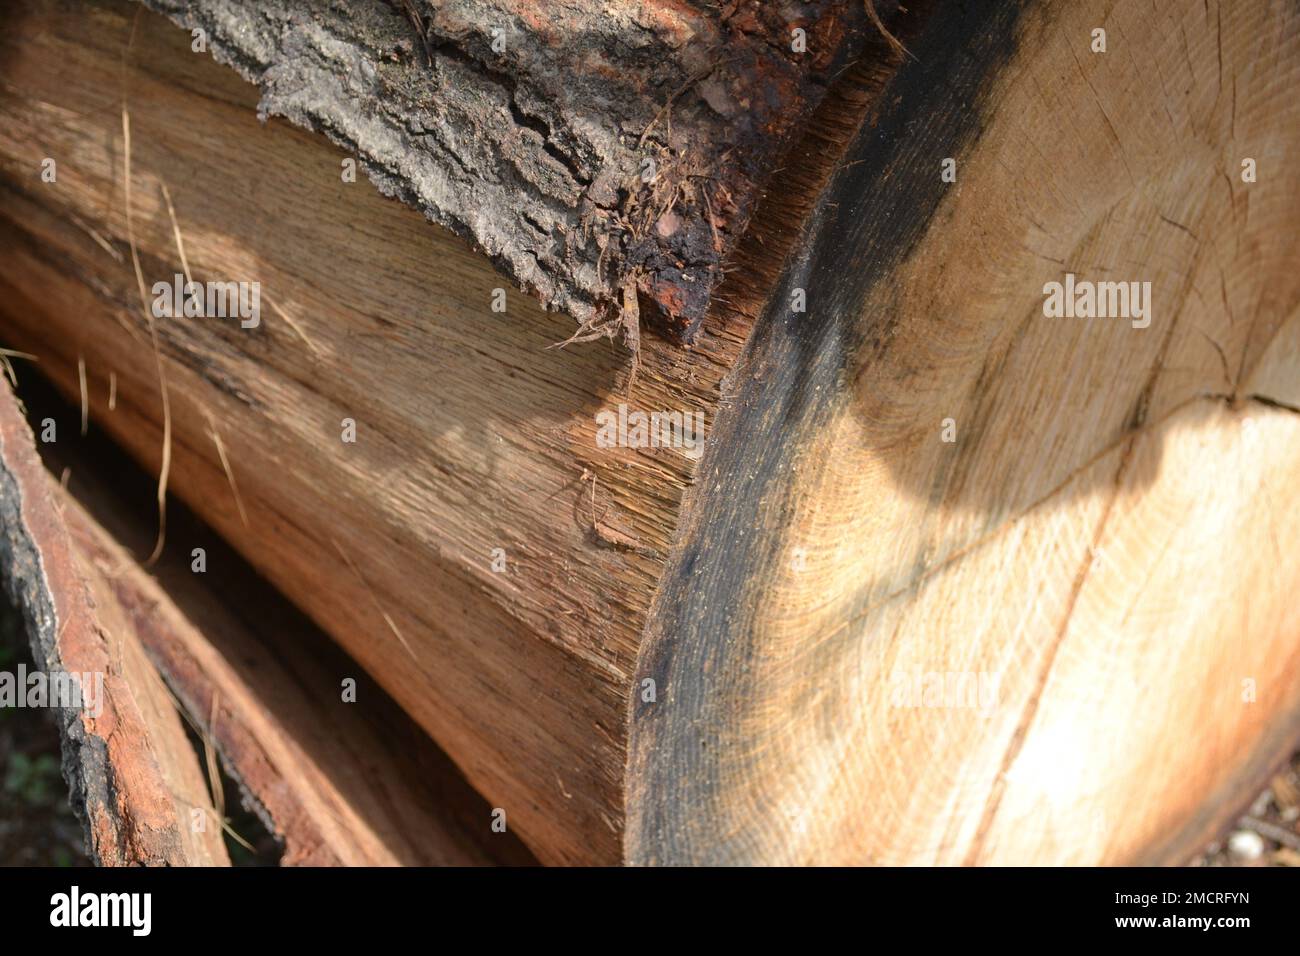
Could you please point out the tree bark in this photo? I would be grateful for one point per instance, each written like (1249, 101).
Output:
(134, 779)
(588, 151)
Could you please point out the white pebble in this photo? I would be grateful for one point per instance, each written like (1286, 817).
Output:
(1246, 845)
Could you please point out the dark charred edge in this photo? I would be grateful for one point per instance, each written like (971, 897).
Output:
(700, 634)
(501, 151)
(85, 762)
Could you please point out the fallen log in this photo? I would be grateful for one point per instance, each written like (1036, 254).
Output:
(960, 574)
(134, 780)
(333, 783)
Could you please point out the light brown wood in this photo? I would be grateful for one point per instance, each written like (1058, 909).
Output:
(1100, 558)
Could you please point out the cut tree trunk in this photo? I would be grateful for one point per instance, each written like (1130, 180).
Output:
(1063, 636)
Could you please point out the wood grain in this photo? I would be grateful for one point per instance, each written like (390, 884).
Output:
(1103, 543)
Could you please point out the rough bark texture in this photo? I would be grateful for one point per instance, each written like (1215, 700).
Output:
(134, 779)
(531, 129)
